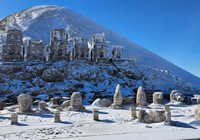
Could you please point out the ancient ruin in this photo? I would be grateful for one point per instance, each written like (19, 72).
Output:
(80, 50)
(141, 97)
(99, 52)
(117, 52)
(176, 95)
(25, 102)
(59, 48)
(35, 50)
(57, 116)
(13, 50)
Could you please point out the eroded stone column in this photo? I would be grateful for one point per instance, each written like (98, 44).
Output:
(14, 119)
(133, 112)
(95, 114)
(57, 116)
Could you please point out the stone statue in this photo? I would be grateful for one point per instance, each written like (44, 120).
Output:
(117, 99)
(141, 97)
(176, 95)
(25, 102)
(76, 102)
(158, 98)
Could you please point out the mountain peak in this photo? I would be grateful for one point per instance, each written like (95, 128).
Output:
(37, 22)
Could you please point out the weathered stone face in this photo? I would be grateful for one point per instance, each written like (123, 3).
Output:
(117, 99)
(76, 99)
(176, 95)
(25, 102)
(141, 97)
(158, 98)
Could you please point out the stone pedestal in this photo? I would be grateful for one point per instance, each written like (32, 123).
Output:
(57, 116)
(95, 114)
(133, 112)
(14, 119)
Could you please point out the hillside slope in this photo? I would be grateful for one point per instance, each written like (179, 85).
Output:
(37, 22)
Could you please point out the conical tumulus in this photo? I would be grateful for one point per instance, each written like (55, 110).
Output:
(141, 97)
(117, 99)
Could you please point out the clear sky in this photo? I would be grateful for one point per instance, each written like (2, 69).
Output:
(169, 28)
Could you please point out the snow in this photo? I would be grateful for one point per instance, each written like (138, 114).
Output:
(114, 124)
(37, 22)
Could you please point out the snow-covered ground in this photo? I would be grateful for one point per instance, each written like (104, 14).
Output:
(113, 124)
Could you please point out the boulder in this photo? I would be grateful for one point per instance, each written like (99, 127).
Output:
(141, 97)
(158, 98)
(52, 75)
(25, 102)
(65, 104)
(102, 102)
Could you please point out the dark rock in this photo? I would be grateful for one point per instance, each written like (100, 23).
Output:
(52, 75)
(128, 100)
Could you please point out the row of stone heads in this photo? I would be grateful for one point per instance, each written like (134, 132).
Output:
(75, 104)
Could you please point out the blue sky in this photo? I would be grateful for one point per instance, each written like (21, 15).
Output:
(169, 28)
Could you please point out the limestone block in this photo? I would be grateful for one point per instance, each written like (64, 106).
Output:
(14, 118)
(25, 102)
(117, 99)
(133, 112)
(141, 97)
(158, 98)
